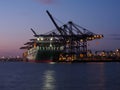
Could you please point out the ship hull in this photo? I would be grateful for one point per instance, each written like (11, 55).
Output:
(42, 56)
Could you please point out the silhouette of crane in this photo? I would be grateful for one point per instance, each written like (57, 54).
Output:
(71, 36)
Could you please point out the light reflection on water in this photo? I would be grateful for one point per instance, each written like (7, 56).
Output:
(97, 82)
(81, 76)
(49, 80)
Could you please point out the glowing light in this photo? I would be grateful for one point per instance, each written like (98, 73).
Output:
(95, 36)
(49, 80)
(101, 36)
(41, 38)
(50, 45)
(81, 40)
(117, 50)
(38, 39)
(51, 39)
(98, 36)
(90, 38)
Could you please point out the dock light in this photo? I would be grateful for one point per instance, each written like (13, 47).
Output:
(50, 45)
(101, 36)
(95, 36)
(51, 39)
(117, 50)
(98, 36)
(38, 39)
(81, 40)
(114, 53)
(90, 38)
(41, 38)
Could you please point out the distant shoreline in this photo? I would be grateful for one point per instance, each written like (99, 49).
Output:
(65, 61)
(96, 61)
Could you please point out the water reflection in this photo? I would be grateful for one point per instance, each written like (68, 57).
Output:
(102, 76)
(49, 82)
(98, 81)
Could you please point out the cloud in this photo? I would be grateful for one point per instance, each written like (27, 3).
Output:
(45, 1)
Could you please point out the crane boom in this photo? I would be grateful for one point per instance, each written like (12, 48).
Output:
(35, 34)
(58, 28)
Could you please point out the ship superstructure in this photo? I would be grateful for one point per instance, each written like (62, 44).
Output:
(66, 43)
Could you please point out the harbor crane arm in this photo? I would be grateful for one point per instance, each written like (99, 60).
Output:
(35, 34)
(58, 28)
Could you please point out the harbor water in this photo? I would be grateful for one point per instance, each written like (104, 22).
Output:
(60, 76)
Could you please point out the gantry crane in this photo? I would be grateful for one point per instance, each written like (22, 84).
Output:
(74, 37)
(71, 37)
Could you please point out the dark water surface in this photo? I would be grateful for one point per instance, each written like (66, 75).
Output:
(77, 76)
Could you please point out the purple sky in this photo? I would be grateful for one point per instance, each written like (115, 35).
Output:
(18, 16)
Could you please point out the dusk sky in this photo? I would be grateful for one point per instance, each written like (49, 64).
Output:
(18, 16)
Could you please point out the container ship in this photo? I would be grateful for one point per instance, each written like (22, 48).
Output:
(42, 50)
(66, 43)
